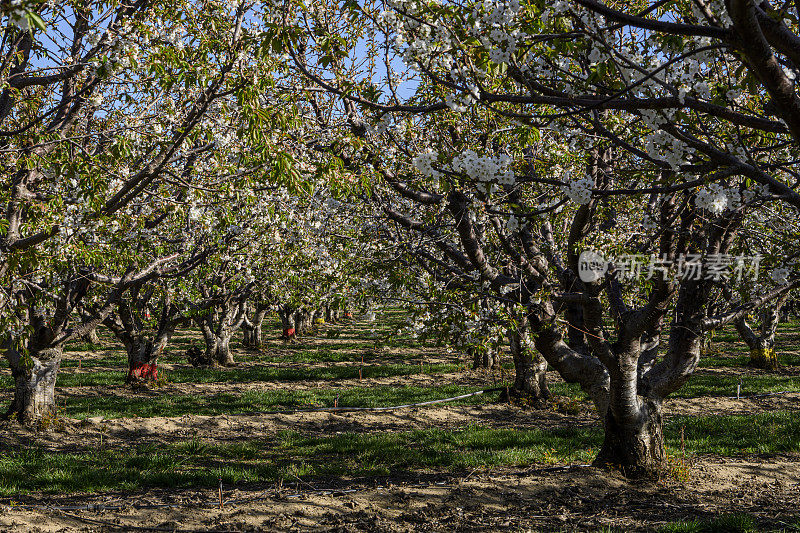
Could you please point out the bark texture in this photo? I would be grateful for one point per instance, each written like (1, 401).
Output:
(92, 337)
(633, 441)
(761, 340)
(34, 385)
(530, 368)
(253, 337)
(218, 326)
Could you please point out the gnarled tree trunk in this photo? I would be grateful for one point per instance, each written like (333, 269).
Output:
(142, 345)
(91, 337)
(482, 358)
(252, 330)
(762, 344)
(143, 360)
(34, 384)
(303, 320)
(287, 316)
(218, 349)
(218, 327)
(530, 368)
(633, 441)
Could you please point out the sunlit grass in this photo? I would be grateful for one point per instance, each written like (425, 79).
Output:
(155, 403)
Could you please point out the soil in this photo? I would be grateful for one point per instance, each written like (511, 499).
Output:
(554, 498)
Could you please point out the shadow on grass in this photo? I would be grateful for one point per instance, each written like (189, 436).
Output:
(289, 455)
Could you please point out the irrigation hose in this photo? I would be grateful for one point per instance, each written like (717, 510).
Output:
(371, 409)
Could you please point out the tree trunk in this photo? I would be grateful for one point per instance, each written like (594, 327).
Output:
(34, 385)
(482, 358)
(762, 344)
(298, 322)
(218, 350)
(143, 360)
(288, 324)
(530, 370)
(224, 356)
(303, 319)
(762, 347)
(763, 354)
(634, 444)
(576, 338)
(248, 336)
(92, 337)
(251, 331)
(253, 334)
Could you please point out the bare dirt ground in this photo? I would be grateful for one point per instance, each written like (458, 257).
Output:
(577, 498)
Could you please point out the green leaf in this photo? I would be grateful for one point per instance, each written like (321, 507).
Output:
(36, 21)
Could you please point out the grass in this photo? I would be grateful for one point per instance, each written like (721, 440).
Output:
(703, 384)
(699, 385)
(159, 404)
(251, 374)
(729, 351)
(775, 432)
(289, 454)
(730, 523)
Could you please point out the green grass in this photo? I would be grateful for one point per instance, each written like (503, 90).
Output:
(699, 385)
(775, 432)
(729, 351)
(731, 523)
(738, 356)
(703, 384)
(252, 374)
(154, 403)
(289, 454)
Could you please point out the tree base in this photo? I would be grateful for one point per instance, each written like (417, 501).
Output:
(202, 358)
(34, 403)
(525, 399)
(764, 358)
(635, 449)
(142, 372)
(197, 357)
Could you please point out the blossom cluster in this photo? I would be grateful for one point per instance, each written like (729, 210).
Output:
(580, 190)
(18, 15)
(493, 27)
(485, 168)
(423, 162)
(717, 198)
(779, 275)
